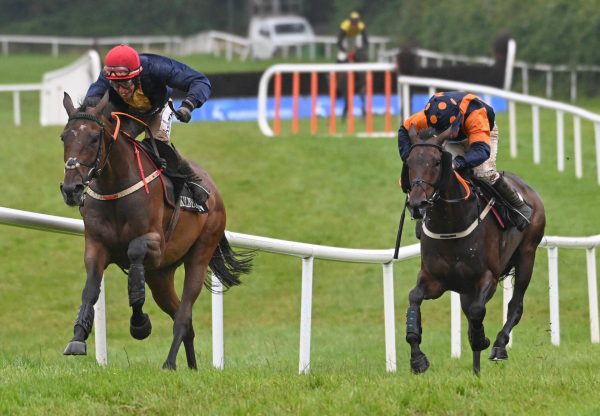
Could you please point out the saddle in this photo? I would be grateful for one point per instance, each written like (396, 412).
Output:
(174, 183)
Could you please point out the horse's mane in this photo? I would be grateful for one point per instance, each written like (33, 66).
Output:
(131, 127)
(426, 134)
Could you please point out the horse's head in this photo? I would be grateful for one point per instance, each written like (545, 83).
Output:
(426, 168)
(84, 139)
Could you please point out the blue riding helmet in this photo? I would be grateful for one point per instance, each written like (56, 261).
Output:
(441, 112)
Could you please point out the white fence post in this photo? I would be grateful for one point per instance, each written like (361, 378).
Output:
(455, 323)
(592, 294)
(553, 289)
(100, 327)
(17, 107)
(389, 316)
(218, 353)
(306, 315)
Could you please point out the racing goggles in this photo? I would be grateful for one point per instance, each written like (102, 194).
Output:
(126, 83)
(120, 72)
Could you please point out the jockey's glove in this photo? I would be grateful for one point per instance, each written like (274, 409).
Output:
(459, 163)
(184, 113)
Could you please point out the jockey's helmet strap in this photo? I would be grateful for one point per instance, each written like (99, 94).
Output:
(85, 116)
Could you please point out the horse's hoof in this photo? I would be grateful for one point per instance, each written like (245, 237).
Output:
(142, 331)
(169, 366)
(76, 348)
(498, 354)
(419, 364)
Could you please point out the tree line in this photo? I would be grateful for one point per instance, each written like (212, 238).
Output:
(552, 31)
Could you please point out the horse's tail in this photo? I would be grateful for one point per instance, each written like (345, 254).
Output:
(227, 265)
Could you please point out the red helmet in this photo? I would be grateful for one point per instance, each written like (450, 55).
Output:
(122, 62)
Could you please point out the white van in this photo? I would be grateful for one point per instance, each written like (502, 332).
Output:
(267, 34)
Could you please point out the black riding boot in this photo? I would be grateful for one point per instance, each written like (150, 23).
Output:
(199, 192)
(515, 199)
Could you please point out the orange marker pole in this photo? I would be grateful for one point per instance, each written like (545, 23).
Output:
(369, 103)
(314, 91)
(276, 120)
(296, 96)
(388, 101)
(332, 98)
(350, 100)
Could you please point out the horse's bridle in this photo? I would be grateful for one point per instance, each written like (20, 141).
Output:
(94, 170)
(419, 181)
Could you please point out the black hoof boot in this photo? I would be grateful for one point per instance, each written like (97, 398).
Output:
(498, 354)
(142, 331)
(419, 364)
(76, 348)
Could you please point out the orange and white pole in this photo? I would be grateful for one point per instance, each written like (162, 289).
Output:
(369, 103)
(350, 103)
(332, 99)
(295, 105)
(277, 119)
(388, 101)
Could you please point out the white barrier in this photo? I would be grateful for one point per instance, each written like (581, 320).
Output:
(405, 82)
(308, 253)
(74, 79)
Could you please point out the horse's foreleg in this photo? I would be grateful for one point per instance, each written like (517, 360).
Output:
(94, 264)
(138, 251)
(423, 290)
(523, 272)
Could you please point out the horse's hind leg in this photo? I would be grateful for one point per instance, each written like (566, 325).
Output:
(138, 251)
(183, 330)
(473, 306)
(523, 272)
(424, 289)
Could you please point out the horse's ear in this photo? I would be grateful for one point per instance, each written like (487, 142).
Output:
(447, 134)
(99, 109)
(412, 134)
(68, 104)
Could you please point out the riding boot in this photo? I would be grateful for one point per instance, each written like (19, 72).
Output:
(418, 229)
(200, 193)
(524, 211)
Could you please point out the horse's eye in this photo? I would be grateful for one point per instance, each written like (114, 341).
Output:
(437, 162)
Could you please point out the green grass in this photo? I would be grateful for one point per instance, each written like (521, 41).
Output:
(339, 191)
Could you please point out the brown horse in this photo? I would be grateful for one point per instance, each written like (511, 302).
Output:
(138, 231)
(463, 248)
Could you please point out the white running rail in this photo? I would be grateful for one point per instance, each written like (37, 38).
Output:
(308, 252)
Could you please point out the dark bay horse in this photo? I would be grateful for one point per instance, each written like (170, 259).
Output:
(463, 248)
(132, 226)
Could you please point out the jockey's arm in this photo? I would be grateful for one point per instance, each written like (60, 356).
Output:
(477, 128)
(178, 75)
(420, 122)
